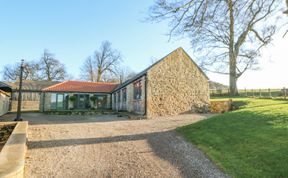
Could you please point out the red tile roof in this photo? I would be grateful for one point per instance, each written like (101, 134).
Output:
(81, 86)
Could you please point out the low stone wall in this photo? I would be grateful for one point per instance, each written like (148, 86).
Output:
(26, 106)
(12, 156)
(221, 106)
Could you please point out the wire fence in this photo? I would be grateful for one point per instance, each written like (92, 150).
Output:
(257, 93)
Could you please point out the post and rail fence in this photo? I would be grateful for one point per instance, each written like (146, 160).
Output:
(257, 93)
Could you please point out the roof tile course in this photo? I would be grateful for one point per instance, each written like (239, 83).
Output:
(81, 86)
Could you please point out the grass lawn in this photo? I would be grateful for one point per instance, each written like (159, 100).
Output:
(249, 142)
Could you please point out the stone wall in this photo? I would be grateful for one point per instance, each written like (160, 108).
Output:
(221, 106)
(25, 106)
(13, 154)
(30, 101)
(176, 85)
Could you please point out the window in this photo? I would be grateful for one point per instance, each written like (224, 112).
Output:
(137, 90)
(53, 100)
(124, 94)
(59, 101)
(101, 101)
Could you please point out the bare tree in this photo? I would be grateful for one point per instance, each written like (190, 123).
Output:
(103, 65)
(226, 34)
(286, 12)
(124, 73)
(121, 75)
(107, 60)
(88, 70)
(50, 68)
(12, 72)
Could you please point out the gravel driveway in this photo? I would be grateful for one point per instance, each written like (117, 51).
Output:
(111, 146)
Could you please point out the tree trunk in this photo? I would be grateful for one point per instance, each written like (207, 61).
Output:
(232, 76)
(232, 56)
(99, 76)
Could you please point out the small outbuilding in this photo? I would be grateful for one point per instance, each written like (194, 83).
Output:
(31, 91)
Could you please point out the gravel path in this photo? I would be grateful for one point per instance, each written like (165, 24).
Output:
(109, 146)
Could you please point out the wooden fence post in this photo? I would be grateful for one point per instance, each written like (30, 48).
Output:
(253, 93)
(260, 95)
(270, 95)
(285, 93)
(245, 92)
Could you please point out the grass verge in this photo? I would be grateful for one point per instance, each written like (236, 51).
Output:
(249, 142)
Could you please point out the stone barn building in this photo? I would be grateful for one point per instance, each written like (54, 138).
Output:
(171, 86)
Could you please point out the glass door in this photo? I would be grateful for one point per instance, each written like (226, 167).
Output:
(60, 102)
(82, 101)
(101, 102)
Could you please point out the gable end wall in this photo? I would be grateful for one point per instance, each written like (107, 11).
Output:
(176, 85)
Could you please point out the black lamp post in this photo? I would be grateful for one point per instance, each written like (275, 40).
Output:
(18, 117)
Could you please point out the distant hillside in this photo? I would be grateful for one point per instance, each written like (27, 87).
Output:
(217, 86)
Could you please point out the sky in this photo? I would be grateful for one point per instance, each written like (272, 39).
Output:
(73, 30)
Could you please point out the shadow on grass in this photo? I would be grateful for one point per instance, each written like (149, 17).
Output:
(264, 105)
(246, 143)
(239, 104)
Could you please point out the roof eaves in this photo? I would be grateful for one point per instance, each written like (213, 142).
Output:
(5, 84)
(139, 75)
(5, 93)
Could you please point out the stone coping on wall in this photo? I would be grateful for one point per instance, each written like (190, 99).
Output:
(12, 156)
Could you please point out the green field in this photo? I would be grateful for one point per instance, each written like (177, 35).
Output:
(249, 142)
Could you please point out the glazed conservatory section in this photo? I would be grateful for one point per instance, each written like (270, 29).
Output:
(74, 101)
(130, 97)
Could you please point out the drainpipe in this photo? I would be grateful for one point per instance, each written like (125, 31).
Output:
(43, 100)
(145, 110)
(111, 103)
